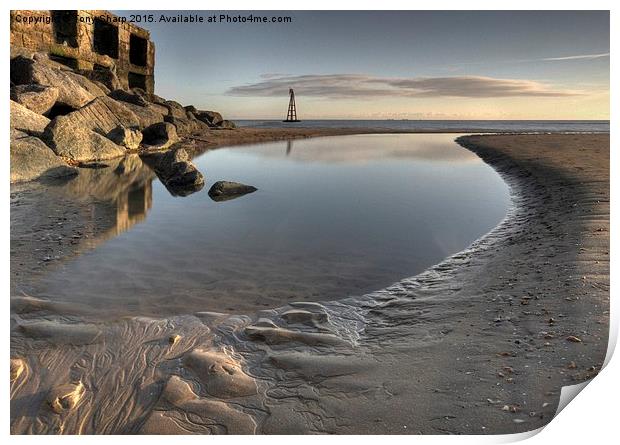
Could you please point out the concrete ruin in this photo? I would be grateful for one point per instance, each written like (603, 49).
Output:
(89, 40)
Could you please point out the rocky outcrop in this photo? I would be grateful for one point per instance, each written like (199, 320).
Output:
(129, 138)
(226, 190)
(102, 115)
(105, 76)
(185, 126)
(73, 90)
(211, 118)
(94, 119)
(160, 136)
(23, 119)
(226, 125)
(147, 115)
(126, 96)
(32, 159)
(175, 109)
(176, 171)
(149, 97)
(79, 143)
(37, 98)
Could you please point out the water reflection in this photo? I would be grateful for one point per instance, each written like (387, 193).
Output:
(334, 217)
(114, 196)
(368, 148)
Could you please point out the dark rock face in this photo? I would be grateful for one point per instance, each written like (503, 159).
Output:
(226, 190)
(23, 119)
(79, 143)
(226, 125)
(32, 159)
(211, 118)
(176, 171)
(160, 136)
(37, 98)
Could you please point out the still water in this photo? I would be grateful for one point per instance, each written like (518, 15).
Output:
(332, 217)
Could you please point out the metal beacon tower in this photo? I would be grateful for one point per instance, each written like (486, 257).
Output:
(291, 116)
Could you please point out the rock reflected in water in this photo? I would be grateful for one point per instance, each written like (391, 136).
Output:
(227, 190)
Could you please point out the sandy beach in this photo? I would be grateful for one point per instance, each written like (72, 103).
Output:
(479, 344)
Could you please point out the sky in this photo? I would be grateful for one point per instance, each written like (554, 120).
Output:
(389, 65)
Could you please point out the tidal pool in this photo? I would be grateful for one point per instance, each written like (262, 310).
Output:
(332, 217)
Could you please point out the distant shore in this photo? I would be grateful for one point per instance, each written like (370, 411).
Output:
(480, 344)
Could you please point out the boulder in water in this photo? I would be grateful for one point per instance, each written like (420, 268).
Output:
(226, 190)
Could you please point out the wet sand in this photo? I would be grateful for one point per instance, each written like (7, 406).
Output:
(481, 343)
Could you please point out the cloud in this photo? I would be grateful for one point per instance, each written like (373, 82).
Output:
(579, 57)
(347, 86)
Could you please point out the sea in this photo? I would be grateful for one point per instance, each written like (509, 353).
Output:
(458, 126)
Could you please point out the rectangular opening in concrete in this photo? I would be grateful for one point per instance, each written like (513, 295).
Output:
(65, 27)
(136, 80)
(137, 50)
(67, 61)
(105, 39)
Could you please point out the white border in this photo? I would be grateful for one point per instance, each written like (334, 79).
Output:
(589, 419)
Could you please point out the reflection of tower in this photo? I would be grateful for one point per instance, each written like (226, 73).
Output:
(289, 146)
(291, 115)
(132, 207)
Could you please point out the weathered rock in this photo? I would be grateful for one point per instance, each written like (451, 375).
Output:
(102, 87)
(79, 143)
(190, 109)
(226, 125)
(175, 109)
(160, 136)
(200, 126)
(225, 190)
(37, 98)
(212, 118)
(176, 171)
(150, 97)
(103, 115)
(126, 96)
(147, 116)
(162, 109)
(126, 137)
(88, 85)
(73, 90)
(23, 119)
(184, 126)
(32, 159)
(105, 76)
